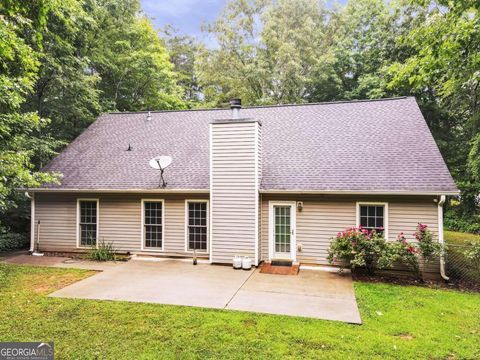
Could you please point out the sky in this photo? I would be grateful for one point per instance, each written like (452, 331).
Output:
(187, 16)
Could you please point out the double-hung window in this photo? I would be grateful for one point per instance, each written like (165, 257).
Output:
(87, 222)
(152, 224)
(373, 216)
(197, 225)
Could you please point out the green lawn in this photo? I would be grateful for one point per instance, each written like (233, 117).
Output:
(459, 238)
(399, 323)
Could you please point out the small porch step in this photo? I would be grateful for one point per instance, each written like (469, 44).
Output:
(280, 267)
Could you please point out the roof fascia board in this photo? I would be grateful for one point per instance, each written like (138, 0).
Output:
(359, 192)
(262, 191)
(153, 191)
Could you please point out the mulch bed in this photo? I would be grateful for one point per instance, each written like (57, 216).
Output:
(408, 280)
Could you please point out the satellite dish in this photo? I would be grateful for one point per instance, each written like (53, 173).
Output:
(160, 162)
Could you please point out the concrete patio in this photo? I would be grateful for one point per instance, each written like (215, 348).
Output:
(311, 293)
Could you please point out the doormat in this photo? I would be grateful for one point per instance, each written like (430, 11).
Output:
(268, 268)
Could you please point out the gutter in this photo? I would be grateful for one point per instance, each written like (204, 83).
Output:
(440, 238)
(261, 191)
(32, 220)
(136, 191)
(359, 192)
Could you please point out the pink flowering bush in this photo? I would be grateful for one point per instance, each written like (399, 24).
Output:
(429, 248)
(359, 247)
(425, 247)
(408, 253)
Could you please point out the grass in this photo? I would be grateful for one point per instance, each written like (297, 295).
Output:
(400, 322)
(459, 267)
(459, 238)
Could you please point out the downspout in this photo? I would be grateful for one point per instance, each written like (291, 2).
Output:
(440, 237)
(32, 220)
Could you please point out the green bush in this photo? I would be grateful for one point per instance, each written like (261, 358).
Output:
(407, 253)
(429, 248)
(456, 222)
(105, 251)
(361, 248)
(472, 254)
(12, 241)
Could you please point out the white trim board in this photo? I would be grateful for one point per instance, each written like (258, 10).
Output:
(210, 217)
(122, 191)
(262, 191)
(32, 223)
(385, 214)
(257, 186)
(357, 192)
(142, 229)
(187, 201)
(77, 227)
(293, 225)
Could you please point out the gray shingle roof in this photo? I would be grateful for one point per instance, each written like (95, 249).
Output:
(378, 145)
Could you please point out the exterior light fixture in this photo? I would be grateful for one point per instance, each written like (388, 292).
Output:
(299, 205)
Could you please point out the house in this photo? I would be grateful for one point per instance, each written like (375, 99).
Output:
(268, 182)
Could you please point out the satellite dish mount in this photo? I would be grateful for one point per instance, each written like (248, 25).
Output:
(161, 163)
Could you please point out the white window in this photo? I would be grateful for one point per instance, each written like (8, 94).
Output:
(152, 225)
(196, 225)
(373, 216)
(87, 222)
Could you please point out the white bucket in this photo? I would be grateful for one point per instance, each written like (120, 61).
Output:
(246, 263)
(237, 262)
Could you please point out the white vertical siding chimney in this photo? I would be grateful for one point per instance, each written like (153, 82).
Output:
(235, 171)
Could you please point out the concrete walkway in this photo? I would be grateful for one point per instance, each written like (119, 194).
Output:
(311, 293)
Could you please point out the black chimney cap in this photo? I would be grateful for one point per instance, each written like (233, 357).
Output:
(235, 103)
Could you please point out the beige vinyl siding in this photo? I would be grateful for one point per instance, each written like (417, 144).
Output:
(323, 216)
(405, 215)
(119, 220)
(233, 190)
(58, 222)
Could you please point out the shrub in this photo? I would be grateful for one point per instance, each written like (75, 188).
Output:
(361, 248)
(407, 252)
(472, 254)
(12, 241)
(456, 222)
(428, 247)
(104, 252)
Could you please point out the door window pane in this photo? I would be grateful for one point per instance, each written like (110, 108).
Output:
(282, 229)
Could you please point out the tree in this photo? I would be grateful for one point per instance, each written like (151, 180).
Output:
(443, 70)
(131, 60)
(269, 52)
(20, 140)
(183, 50)
(295, 54)
(66, 90)
(233, 69)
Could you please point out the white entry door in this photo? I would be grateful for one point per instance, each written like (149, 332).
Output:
(282, 231)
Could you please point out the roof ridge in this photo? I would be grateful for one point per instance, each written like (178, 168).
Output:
(264, 106)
